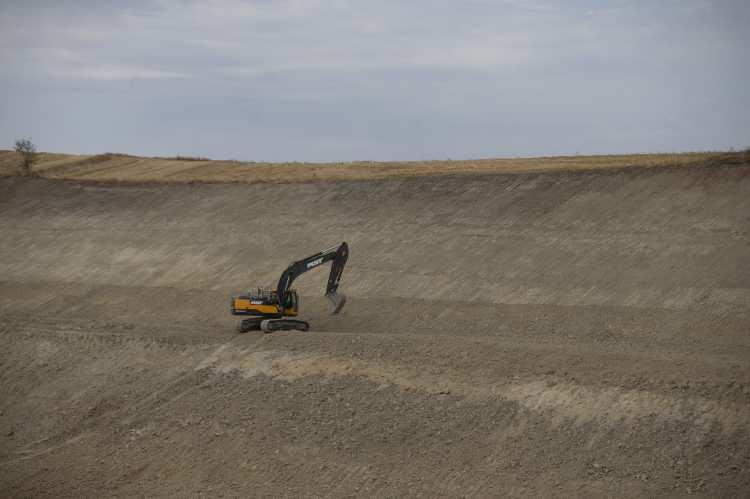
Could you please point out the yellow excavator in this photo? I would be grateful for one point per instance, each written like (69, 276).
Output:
(272, 310)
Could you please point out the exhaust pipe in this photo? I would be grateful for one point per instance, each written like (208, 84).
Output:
(337, 302)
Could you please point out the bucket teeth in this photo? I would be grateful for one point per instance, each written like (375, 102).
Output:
(337, 302)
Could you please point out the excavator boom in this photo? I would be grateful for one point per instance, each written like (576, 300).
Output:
(336, 254)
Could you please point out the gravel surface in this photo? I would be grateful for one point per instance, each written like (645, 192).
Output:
(539, 334)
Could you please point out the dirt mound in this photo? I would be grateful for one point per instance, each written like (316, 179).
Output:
(560, 333)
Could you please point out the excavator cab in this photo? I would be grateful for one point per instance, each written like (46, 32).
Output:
(272, 309)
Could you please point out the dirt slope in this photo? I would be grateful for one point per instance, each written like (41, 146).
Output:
(557, 334)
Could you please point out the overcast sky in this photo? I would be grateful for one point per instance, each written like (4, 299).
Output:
(339, 80)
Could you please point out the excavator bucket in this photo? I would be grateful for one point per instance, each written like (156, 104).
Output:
(337, 302)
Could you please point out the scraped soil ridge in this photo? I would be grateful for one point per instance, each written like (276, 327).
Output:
(560, 333)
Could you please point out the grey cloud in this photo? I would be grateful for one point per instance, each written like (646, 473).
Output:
(343, 80)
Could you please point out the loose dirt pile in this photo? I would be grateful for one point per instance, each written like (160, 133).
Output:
(560, 333)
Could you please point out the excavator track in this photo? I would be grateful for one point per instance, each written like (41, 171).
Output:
(273, 325)
(251, 324)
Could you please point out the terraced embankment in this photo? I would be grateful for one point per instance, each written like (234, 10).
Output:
(560, 333)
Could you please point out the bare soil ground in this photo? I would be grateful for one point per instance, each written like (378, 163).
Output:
(559, 333)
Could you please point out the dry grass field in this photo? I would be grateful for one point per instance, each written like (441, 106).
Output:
(112, 167)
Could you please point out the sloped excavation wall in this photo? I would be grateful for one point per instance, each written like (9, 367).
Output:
(555, 333)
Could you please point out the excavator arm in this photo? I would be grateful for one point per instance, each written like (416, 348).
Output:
(337, 255)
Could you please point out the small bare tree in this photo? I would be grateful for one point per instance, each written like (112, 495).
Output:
(27, 150)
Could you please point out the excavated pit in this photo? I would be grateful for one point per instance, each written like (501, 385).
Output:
(557, 334)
